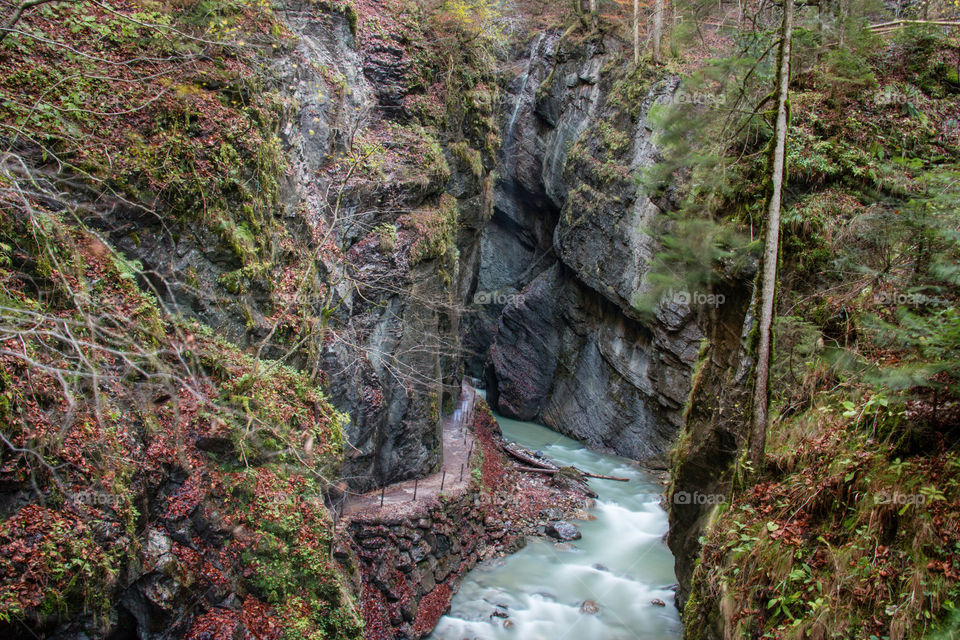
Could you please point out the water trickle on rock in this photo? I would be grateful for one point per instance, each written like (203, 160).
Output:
(523, 88)
(601, 586)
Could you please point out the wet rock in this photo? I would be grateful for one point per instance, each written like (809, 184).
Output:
(408, 610)
(69, 632)
(232, 602)
(372, 543)
(420, 552)
(162, 592)
(657, 602)
(428, 582)
(563, 531)
(589, 607)
(601, 567)
(215, 444)
(157, 550)
(565, 546)
(383, 577)
(569, 269)
(445, 566)
(405, 562)
(551, 514)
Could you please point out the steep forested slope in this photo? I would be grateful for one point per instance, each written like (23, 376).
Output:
(229, 277)
(850, 528)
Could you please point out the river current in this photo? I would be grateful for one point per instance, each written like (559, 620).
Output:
(600, 587)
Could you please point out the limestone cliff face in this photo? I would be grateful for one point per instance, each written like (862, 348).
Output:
(378, 214)
(407, 232)
(567, 252)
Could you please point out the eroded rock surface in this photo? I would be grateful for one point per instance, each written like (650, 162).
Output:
(567, 254)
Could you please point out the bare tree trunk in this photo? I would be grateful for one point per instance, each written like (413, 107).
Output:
(761, 392)
(593, 6)
(656, 30)
(636, 32)
(844, 15)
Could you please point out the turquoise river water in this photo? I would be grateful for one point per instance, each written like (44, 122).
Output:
(620, 564)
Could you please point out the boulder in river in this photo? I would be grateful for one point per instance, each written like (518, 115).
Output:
(589, 607)
(563, 531)
(657, 602)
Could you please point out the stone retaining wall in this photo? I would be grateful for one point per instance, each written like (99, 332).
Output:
(411, 564)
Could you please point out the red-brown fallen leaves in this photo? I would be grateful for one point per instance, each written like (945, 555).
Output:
(376, 621)
(486, 429)
(259, 620)
(47, 556)
(215, 624)
(431, 607)
(185, 500)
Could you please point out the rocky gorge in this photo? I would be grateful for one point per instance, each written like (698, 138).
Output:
(256, 259)
(348, 263)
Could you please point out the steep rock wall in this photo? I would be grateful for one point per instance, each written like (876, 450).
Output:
(566, 253)
(714, 434)
(354, 272)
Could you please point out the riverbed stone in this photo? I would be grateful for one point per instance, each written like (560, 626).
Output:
(563, 531)
(589, 607)
(551, 513)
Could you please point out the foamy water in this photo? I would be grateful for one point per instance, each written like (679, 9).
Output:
(621, 564)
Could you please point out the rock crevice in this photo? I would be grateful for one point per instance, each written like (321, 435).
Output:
(567, 254)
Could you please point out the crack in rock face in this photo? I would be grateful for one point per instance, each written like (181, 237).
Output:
(565, 256)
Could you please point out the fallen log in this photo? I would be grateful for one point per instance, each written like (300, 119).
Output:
(603, 477)
(526, 457)
(548, 472)
(585, 474)
(534, 464)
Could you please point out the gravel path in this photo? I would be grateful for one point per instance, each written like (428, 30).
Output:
(398, 498)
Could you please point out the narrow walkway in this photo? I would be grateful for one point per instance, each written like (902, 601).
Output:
(454, 473)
